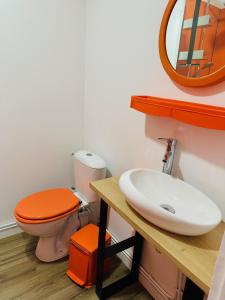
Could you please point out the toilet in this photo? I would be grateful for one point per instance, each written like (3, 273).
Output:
(55, 214)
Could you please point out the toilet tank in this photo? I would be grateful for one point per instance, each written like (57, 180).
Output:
(88, 167)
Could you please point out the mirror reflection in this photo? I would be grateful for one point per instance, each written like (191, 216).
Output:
(195, 37)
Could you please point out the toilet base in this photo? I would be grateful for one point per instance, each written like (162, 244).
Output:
(54, 236)
(47, 250)
(55, 247)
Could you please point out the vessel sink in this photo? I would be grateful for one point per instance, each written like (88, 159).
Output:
(169, 202)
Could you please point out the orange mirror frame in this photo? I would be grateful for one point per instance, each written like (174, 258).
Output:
(207, 80)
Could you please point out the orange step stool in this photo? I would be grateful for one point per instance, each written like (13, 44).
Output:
(83, 255)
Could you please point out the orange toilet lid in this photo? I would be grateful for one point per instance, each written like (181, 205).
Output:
(47, 204)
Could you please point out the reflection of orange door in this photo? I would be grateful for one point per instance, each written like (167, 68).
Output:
(218, 56)
(210, 39)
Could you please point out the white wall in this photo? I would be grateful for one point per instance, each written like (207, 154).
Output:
(41, 95)
(122, 60)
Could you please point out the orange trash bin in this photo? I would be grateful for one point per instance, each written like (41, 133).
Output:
(83, 255)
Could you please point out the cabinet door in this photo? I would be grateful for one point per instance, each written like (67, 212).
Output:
(162, 270)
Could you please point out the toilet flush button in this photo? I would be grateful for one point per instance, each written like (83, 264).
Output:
(89, 154)
(90, 159)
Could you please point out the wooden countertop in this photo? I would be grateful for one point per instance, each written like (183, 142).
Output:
(194, 256)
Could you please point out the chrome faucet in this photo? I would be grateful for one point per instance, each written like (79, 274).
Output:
(169, 155)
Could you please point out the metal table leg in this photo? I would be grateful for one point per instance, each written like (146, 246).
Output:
(105, 252)
(192, 291)
(101, 248)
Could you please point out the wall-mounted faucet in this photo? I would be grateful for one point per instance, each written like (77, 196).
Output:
(169, 155)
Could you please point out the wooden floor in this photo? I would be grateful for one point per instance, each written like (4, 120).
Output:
(24, 277)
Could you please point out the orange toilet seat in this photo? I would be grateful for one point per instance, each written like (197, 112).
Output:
(46, 206)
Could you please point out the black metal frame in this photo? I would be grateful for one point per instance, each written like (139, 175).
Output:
(105, 252)
(191, 290)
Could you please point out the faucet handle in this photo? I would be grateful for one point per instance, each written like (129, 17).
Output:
(171, 143)
(168, 140)
(169, 155)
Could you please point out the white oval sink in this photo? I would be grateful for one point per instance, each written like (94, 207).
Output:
(169, 202)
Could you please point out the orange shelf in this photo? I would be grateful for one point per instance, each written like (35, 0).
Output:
(201, 115)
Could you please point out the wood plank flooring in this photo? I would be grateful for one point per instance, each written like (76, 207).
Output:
(24, 277)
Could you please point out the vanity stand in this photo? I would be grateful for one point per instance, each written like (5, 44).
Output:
(194, 256)
(104, 252)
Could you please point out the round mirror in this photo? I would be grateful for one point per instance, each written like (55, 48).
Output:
(192, 41)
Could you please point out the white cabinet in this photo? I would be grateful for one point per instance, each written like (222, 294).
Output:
(159, 275)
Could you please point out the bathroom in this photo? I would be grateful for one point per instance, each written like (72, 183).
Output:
(68, 71)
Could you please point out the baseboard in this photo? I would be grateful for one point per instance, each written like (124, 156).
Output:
(144, 278)
(9, 229)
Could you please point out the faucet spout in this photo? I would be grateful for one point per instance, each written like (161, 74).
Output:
(169, 155)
